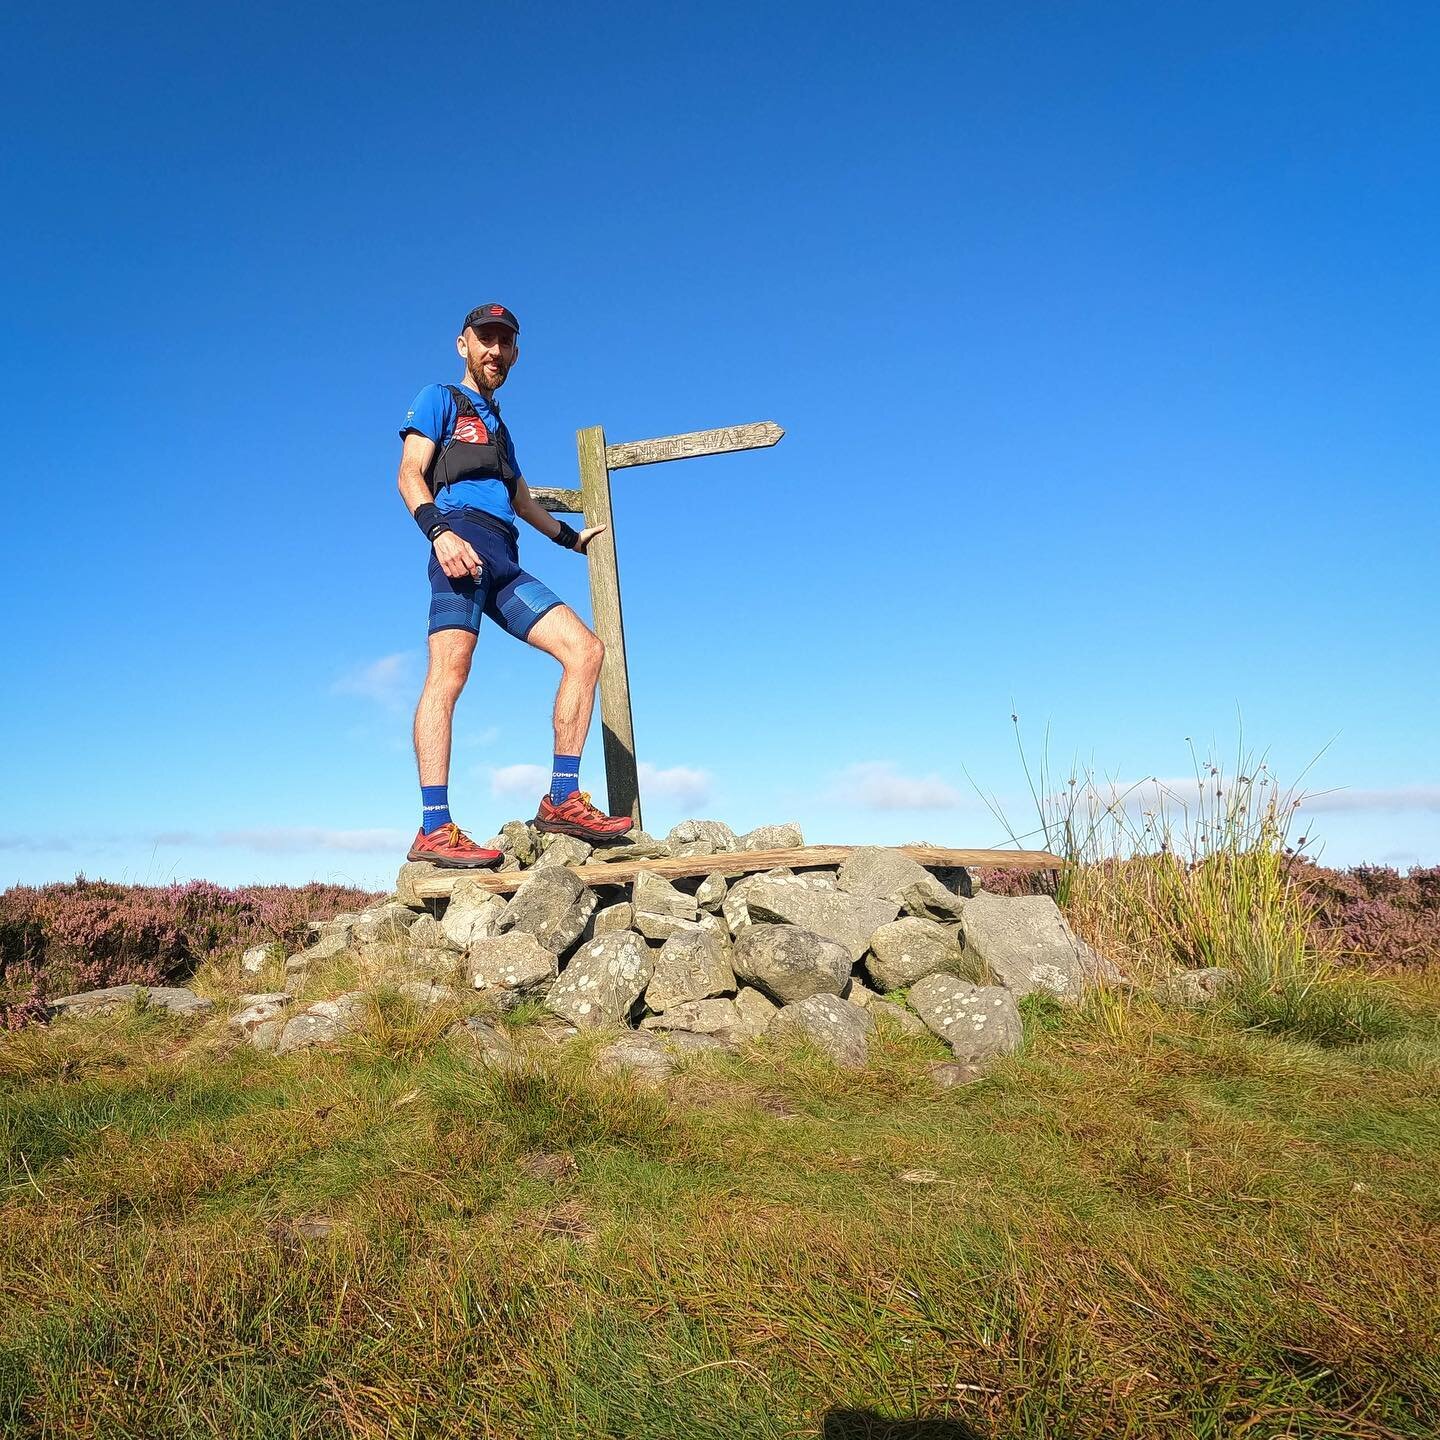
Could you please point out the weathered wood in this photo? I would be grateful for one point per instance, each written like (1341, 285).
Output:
(758, 436)
(565, 502)
(743, 862)
(622, 780)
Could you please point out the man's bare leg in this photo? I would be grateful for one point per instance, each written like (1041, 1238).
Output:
(450, 654)
(562, 633)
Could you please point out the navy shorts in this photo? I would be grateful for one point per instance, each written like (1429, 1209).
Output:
(513, 599)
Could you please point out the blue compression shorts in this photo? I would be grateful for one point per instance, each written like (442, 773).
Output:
(513, 599)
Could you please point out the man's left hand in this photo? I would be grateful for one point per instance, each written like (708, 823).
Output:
(586, 536)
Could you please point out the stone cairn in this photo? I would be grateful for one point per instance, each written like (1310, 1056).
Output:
(819, 954)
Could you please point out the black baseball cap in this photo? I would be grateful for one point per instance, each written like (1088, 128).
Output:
(491, 314)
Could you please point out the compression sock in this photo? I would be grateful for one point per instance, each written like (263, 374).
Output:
(434, 807)
(564, 778)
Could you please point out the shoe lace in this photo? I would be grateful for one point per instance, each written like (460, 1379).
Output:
(453, 835)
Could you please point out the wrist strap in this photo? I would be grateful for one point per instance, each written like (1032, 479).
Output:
(565, 536)
(430, 520)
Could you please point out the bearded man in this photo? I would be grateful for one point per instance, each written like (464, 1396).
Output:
(461, 482)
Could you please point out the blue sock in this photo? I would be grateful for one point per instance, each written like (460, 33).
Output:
(564, 778)
(434, 807)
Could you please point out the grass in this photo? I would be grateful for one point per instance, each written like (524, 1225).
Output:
(1146, 1224)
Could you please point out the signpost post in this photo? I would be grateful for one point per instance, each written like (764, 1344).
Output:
(592, 499)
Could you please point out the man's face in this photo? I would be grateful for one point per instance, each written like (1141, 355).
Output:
(489, 353)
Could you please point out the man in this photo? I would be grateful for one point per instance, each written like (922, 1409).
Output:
(462, 484)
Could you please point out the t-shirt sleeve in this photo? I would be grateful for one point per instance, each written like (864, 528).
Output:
(430, 414)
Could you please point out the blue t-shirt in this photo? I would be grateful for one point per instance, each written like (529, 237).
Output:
(432, 413)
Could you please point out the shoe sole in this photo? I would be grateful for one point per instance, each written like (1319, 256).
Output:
(566, 827)
(431, 858)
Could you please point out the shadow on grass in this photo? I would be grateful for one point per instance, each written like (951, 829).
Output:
(867, 1425)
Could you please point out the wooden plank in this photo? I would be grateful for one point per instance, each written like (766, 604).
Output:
(758, 436)
(622, 779)
(565, 502)
(743, 862)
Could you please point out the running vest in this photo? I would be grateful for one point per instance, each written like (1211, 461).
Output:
(472, 452)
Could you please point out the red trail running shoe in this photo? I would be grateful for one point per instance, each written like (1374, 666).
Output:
(575, 815)
(452, 847)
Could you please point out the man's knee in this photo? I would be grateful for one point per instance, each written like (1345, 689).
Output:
(594, 651)
(449, 668)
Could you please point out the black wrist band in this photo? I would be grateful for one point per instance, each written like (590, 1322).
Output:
(565, 536)
(430, 520)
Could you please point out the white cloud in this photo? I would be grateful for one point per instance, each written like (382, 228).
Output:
(35, 843)
(389, 681)
(681, 784)
(1399, 797)
(289, 840)
(511, 781)
(879, 785)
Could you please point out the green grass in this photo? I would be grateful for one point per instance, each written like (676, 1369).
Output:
(1146, 1225)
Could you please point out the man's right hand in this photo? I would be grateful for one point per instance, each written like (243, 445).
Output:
(457, 557)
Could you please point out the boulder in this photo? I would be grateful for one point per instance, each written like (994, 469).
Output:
(716, 833)
(411, 873)
(693, 849)
(857, 992)
(553, 906)
(515, 961)
(492, 1045)
(771, 837)
(839, 1029)
(665, 927)
(636, 845)
(472, 915)
(426, 934)
(564, 850)
(262, 1019)
(692, 1042)
(654, 895)
(327, 947)
(612, 917)
(427, 994)
(172, 998)
(689, 967)
(638, 1054)
(790, 963)
(909, 949)
(520, 840)
(849, 920)
(386, 924)
(734, 908)
(603, 981)
(1195, 989)
(947, 1074)
(703, 1017)
(886, 1012)
(260, 957)
(877, 873)
(928, 899)
(710, 894)
(754, 1012)
(978, 1022)
(1024, 942)
(322, 1023)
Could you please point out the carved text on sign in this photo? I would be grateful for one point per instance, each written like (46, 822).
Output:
(698, 442)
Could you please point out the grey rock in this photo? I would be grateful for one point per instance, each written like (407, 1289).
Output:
(665, 927)
(886, 1012)
(839, 1029)
(173, 998)
(493, 1046)
(262, 1019)
(691, 1042)
(790, 963)
(857, 992)
(978, 1022)
(771, 837)
(734, 908)
(909, 949)
(1024, 942)
(419, 962)
(711, 893)
(341, 925)
(553, 906)
(654, 895)
(411, 873)
(755, 1011)
(689, 967)
(639, 1055)
(603, 981)
(322, 1023)
(327, 947)
(564, 850)
(612, 917)
(704, 1017)
(713, 832)
(520, 840)
(848, 919)
(694, 850)
(472, 916)
(261, 957)
(637, 845)
(928, 899)
(947, 1074)
(878, 873)
(1195, 989)
(515, 961)
(386, 924)
(426, 934)
(427, 994)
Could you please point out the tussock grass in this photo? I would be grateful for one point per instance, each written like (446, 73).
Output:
(1147, 1224)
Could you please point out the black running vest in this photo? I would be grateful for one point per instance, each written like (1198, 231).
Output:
(472, 452)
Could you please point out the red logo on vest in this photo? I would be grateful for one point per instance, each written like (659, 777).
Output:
(470, 431)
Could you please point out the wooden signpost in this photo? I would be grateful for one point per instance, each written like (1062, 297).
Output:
(592, 499)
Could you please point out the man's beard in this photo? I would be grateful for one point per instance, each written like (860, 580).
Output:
(482, 380)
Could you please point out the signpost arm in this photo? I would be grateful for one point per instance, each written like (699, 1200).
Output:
(621, 776)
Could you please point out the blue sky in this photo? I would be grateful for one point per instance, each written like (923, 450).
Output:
(1103, 336)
